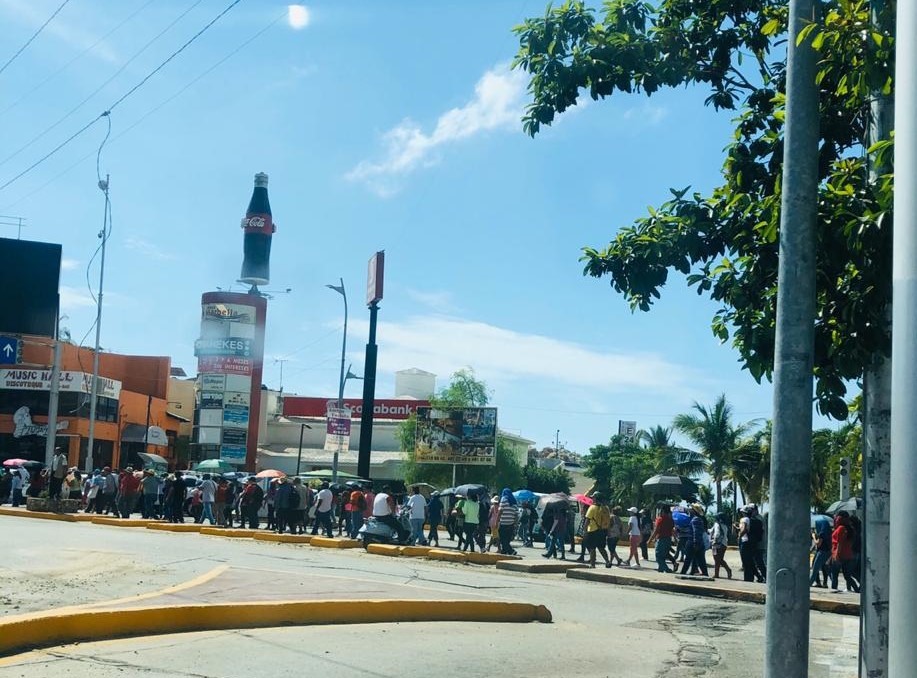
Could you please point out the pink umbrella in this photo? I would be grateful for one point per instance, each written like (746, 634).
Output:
(583, 499)
(15, 462)
(270, 473)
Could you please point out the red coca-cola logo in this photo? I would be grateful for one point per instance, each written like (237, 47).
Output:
(258, 223)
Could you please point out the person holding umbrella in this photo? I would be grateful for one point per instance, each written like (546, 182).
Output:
(597, 521)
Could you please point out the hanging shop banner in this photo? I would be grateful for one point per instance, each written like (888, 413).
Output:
(337, 430)
(456, 436)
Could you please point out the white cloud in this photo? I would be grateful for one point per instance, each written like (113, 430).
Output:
(298, 16)
(69, 264)
(436, 300)
(148, 249)
(442, 345)
(63, 27)
(497, 104)
(646, 115)
(72, 298)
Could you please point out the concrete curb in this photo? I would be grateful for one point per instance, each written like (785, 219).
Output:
(335, 543)
(18, 634)
(41, 515)
(120, 522)
(675, 586)
(175, 527)
(490, 558)
(384, 549)
(539, 568)
(448, 556)
(226, 532)
(283, 538)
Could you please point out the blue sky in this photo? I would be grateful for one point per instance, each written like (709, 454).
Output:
(388, 126)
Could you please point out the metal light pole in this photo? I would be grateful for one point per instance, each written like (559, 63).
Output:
(94, 390)
(302, 428)
(340, 290)
(787, 604)
(902, 650)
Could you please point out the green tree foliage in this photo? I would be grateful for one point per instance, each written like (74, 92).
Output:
(620, 469)
(726, 242)
(711, 429)
(464, 390)
(546, 480)
(670, 458)
(829, 446)
(751, 464)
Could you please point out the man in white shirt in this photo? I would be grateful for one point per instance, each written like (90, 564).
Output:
(382, 511)
(58, 473)
(323, 507)
(417, 505)
(208, 494)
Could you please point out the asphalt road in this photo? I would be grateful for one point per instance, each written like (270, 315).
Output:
(598, 629)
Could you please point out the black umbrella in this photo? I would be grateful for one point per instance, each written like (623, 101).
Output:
(448, 492)
(466, 489)
(851, 505)
(671, 485)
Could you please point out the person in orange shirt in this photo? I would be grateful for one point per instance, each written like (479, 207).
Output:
(357, 510)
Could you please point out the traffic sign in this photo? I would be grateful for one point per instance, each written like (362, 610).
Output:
(9, 351)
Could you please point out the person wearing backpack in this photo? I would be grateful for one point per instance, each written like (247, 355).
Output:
(719, 540)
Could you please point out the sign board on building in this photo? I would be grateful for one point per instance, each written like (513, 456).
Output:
(222, 364)
(456, 436)
(213, 382)
(9, 351)
(212, 400)
(25, 379)
(235, 313)
(224, 346)
(301, 406)
(235, 416)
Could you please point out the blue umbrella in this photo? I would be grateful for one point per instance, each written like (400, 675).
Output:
(525, 495)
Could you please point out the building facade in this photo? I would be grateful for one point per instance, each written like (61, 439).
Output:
(132, 395)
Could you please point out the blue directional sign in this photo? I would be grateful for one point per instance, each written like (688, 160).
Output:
(9, 350)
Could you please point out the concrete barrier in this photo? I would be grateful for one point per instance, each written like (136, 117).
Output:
(283, 538)
(175, 527)
(384, 549)
(448, 556)
(550, 567)
(27, 632)
(40, 515)
(335, 543)
(489, 558)
(119, 522)
(226, 532)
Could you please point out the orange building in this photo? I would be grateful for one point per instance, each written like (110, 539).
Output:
(132, 393)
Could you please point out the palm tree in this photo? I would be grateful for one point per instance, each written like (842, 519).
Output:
(715, 436)
(669, 457)
(751, 465)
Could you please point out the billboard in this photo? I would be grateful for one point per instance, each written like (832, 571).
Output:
(465, 435)
(229, 364)
(29, 278)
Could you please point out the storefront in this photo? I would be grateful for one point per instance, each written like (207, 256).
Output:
(132, 392)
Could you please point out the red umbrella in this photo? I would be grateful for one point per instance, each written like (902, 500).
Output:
(270, 473)
(583, 499)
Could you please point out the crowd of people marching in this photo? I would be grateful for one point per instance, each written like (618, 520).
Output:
(680, 536)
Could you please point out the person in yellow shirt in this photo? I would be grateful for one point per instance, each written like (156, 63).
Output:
(597, 521)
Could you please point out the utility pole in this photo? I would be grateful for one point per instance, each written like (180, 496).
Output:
(281, 361)
(557, 440)
(53, 397)
(877, 387)
(787, 604)
(902, 620)
(94, 390)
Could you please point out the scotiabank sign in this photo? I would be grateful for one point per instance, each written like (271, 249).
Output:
(298, 406)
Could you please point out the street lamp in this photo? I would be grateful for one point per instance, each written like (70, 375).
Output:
(340, 290)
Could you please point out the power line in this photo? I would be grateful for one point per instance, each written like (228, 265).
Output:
(155, 109)
(76, 58)
(98, 89)
(34, 35)
(125, 96)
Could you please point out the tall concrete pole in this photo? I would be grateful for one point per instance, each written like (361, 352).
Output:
(877, 387)
(787, 607)
(902, 620)
(53, 399)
